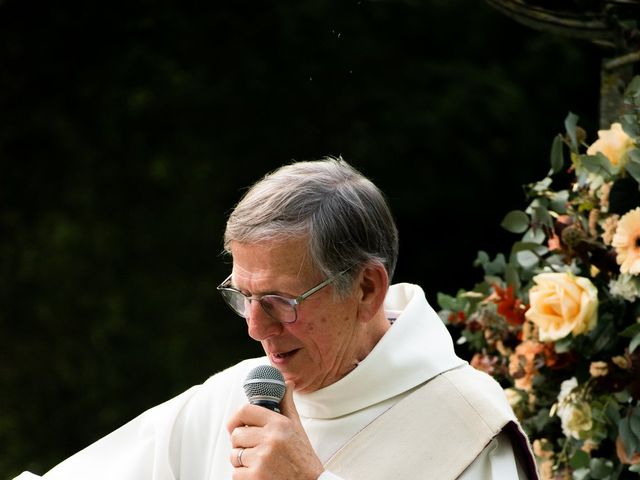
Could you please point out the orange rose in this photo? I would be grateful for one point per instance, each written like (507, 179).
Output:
(561, 303)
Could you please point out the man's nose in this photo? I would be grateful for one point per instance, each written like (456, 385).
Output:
(260, 325)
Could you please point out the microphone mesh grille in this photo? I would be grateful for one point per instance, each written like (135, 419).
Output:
(265, 381)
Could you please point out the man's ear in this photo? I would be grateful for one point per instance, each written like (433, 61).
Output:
(373, 283)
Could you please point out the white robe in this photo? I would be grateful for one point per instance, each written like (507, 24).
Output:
(186, 438)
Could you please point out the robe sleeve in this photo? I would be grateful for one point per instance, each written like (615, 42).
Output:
(144, 448)
(496, 462)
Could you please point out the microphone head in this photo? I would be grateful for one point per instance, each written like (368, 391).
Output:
(265, 385)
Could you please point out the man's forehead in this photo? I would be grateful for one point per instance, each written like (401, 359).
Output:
(267, 259)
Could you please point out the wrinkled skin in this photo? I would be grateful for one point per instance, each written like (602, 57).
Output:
(276, 446)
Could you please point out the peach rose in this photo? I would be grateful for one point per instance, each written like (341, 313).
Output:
(613, 144)
(561, 303)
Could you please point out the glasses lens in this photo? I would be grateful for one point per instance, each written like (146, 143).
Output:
(279, 308)
(235, 300)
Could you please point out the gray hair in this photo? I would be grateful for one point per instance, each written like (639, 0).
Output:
(345, 217)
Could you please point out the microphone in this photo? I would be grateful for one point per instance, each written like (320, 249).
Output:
(265, 386)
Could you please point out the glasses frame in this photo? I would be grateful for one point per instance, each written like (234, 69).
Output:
(294, 302)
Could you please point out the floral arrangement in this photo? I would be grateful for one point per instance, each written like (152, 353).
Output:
(557, 321)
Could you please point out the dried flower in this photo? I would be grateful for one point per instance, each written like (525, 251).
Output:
(598, 369)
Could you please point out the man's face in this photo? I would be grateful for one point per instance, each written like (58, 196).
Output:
(323, 344)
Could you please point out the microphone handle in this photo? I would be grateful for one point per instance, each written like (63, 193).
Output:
(273, 406)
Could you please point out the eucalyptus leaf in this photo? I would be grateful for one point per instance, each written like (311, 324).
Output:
(512, 277)
(597, 164)
(631, 331)
(446, 302)
(600, 468)
(563, 345)
(622, 397)
(541, 185)
(495, 267)
(581, 474)
(633, 87)
(570, 124)
(529, 246)
(541, 216)
(613, 414)
(559, 201)
(630, 441)
(634, 422)
(481, 259)
(633, 165)
(516, 221)
(630, 125)
(527, 259)
(557, 155)
(635, 341)
(534, 235)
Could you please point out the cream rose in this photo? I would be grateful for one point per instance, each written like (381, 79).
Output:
(575, 419)
(613, 144)
(561, 303)
(574, 413)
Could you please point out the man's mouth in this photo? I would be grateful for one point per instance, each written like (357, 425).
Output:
(284, 355)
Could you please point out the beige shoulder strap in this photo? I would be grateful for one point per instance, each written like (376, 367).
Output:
(435, 432)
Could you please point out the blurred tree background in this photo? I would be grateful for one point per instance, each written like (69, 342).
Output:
(129, 130)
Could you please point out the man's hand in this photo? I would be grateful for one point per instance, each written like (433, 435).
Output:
(271, 446)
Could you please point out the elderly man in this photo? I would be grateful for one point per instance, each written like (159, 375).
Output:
(374, 389)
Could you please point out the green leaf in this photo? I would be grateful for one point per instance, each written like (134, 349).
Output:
(581, 474)
(635, 341)
(481, 259)
(622, 397)
(516, 221)
(564, 344)
(631, 331)
(634, 155)
(580, 459)
(600, 468)
(534, 235)
(633, 165)
(613, 413)
(527, 259)
(557, 155)
(540, 216)
(631, 442)
(598, 164)
(559, 201)
(529, 246)
(446, 302)
(495, 267)
(511, 276)
(635, 468)
(634, 423)
(570, 124)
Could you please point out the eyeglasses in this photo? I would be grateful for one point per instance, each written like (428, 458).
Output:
(282, 309)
